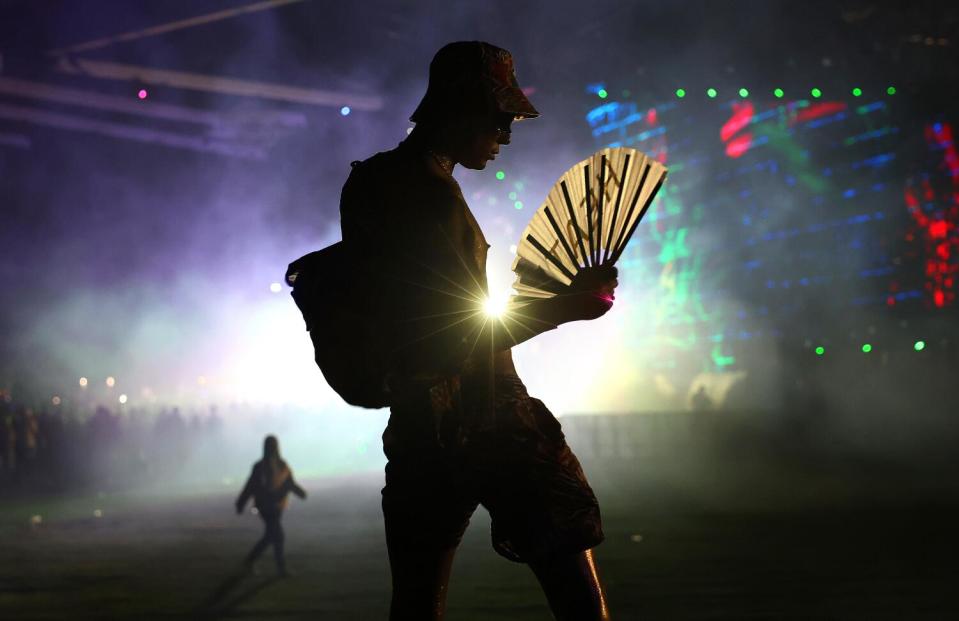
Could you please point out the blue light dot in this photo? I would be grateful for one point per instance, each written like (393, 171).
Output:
(345, 110)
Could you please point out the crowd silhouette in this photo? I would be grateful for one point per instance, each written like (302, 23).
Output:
(57, 450)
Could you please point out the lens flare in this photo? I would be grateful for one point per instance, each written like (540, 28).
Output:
(495, 305)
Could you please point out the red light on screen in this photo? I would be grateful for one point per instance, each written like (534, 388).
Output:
(742, 115)
(939, 228)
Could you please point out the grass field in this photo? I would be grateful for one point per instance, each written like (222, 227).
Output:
(729, 534)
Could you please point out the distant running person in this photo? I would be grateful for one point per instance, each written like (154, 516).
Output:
(269, 484)
(463, 431)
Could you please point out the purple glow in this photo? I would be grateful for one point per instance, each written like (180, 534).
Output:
(142, 94)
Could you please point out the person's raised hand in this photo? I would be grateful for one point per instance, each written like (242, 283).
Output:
(591, 293)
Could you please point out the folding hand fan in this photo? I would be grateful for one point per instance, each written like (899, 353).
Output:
(586, 220)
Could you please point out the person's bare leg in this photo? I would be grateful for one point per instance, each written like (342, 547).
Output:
(421, 576)
(573, 588)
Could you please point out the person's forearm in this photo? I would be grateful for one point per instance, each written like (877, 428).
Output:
(246, 493)
(520, 323)
(527, 319)
(478, 335)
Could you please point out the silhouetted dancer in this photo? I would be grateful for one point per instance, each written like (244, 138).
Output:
(701, 401)
(463, 430)
(269, 484)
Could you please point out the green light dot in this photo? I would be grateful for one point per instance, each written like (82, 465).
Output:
(512, 196)
(711, 92)
(680, 92)
(518, 185)
(820, 350)
(866, 348)
(743, 92)
(518, 204)
(919, 346)
(500, 175)
(856, 92)
(816, 93)
(891, 90)
(778, 93)
(602, 93)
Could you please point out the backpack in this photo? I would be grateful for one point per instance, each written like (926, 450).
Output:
(330, 291)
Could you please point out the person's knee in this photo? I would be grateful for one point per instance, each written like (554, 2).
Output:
(573, 587)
